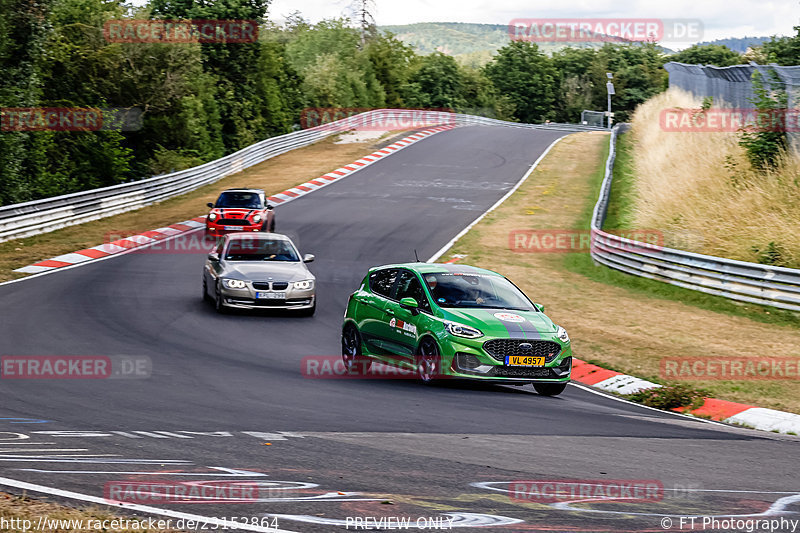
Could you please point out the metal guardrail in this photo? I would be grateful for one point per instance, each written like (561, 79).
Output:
(738, 280)
(41, 216)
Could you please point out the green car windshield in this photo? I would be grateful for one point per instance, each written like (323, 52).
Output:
(452, 289)
(260, 250)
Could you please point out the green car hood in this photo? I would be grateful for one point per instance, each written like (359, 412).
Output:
(504, 323)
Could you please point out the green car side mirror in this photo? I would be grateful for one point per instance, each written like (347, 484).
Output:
(540, 307)
(410, 304)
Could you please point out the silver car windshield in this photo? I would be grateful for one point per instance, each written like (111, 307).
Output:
(261, 250)
(476, 290)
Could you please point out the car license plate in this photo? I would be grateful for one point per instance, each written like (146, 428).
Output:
(524, 360)
(271, 295)
(232, 228)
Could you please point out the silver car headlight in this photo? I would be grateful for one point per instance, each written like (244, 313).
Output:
(235, 284)
(304, 285)
(212, 216)
(561, 333)
(256, 219)
(460, 330)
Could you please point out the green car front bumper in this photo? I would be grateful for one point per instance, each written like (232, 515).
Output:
(485, 359)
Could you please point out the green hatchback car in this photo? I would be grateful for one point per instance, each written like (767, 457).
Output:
(454, 321)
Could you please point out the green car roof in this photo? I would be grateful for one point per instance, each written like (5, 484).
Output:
(431, 268)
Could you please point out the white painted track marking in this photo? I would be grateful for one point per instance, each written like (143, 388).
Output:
(139, 508)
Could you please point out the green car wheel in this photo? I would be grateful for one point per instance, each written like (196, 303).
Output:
(354, 361)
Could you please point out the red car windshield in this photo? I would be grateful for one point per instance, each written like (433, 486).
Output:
(240, 200)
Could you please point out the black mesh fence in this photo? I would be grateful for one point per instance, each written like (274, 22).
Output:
(733, 86)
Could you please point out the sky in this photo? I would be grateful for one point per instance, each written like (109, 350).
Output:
(720, 18)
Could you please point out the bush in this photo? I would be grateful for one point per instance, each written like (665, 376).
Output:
(765, 147)
(669, 397)
(771, 254)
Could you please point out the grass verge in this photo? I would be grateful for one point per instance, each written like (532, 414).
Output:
(620, 216)
(620, 202)
(274, 175)
(626, 323)
(702, 190)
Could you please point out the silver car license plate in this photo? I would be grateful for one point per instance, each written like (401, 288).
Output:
(271, 295)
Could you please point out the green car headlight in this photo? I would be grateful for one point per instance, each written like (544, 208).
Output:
(561, 333)
(235, 284)
(460, 330)
(304, 285)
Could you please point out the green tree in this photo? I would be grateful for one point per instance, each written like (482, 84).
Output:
(784, 50)
(435, 82)
(576, 84)
(638, 75)
(392, 62)
(336, 72)
(23, 30)
(709, 54)
(246, 113)
(480, 97)
(527, 77)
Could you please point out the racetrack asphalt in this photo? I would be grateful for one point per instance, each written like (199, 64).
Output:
(222, 386)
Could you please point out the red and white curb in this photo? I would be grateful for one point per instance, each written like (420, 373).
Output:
(719, 410)
(149, 237)
(114, 247)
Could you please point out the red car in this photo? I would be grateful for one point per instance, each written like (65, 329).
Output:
(240, 210)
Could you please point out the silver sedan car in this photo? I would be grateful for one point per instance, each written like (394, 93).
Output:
(258, 271)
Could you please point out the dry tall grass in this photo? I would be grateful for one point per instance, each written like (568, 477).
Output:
(700, 190)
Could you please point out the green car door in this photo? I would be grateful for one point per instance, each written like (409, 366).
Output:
(373, 313)
(406, 323)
